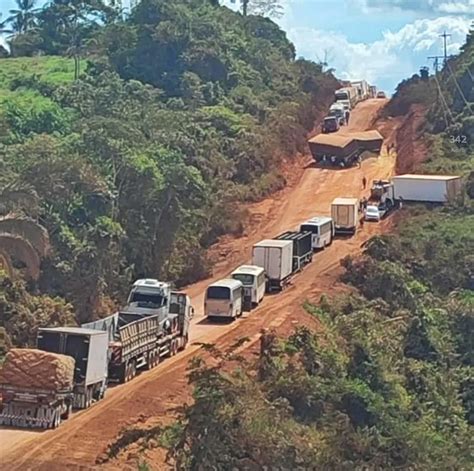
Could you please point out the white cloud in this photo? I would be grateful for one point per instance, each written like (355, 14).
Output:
(384, 62)
(452, 7)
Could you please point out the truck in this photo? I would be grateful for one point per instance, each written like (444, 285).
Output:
(381, 200)
(347, 94)
(302, 247)
(372, 91)
(427, 188)
(276, 258)
(330, 124)
(39, 401)
(338, 111)
(145, 331)
(337, 149)
(153, 325)
(362, 88)
(345, 213)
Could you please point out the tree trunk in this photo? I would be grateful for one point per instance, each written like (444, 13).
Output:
(245, 4)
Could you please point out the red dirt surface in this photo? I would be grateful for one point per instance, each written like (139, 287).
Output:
(79, 442)
(412, 149)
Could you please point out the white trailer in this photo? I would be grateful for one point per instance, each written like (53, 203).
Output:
(276, 257)
(363, 89)
(345, 214)
(429, 188)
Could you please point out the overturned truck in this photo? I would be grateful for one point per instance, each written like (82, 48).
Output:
(344, 149)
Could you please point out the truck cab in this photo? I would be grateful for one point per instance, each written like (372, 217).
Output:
(330, 124)
(337, 110)
(149, 297)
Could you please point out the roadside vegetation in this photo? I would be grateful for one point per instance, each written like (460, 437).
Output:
(386, 383)
(132, 141)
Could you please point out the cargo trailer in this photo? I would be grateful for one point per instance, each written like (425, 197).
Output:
(427, 188)
(302, 247)
(334, 149)
(276, 258)
(34, 399)
(89, 348)
(345, 213)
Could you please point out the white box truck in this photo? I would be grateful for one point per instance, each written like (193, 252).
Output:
(429, 188)
(276, 257)
(345, 214)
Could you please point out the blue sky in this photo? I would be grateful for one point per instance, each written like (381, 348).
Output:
(382, 41)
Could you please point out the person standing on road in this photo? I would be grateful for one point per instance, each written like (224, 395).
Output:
(364, 182)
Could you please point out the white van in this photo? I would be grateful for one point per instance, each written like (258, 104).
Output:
(254, 281)
(322, 228)
(224, 299)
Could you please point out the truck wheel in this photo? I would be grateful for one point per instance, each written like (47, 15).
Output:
(150, 361)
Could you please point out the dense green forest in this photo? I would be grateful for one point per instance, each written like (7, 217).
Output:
(126, 145)
(387, 382)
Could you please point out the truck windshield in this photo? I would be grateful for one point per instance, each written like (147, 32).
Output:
(342, 96)
(336, 112)
(218, 292)
(147, 299)
(309, 228)
(247, 280)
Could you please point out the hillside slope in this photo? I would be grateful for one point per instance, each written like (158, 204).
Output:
(137, 170)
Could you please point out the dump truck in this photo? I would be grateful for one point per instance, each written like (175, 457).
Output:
(302, 247)
(145, 331)
(345, 213)
(427, 188)
(40, 387)
(276, 258)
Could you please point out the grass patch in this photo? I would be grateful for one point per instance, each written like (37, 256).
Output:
(50, 70)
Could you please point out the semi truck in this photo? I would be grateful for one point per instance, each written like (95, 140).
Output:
(347, 94)
(345, 214)
(111, 349)
(276, 258)
(145, 331)
(39, 401)
(302, 247)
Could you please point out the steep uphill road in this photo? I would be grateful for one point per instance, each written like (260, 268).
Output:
(81, 440)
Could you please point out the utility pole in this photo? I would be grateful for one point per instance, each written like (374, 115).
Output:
(445, 36)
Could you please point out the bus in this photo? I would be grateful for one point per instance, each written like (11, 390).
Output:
(254, 281)
(322, 228)
(224, 299)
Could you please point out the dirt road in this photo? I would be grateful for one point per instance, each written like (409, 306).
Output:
(79, 441)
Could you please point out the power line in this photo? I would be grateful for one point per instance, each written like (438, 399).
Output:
(444, 103)
(458, 86)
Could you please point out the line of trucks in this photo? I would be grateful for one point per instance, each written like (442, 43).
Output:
(346, 98)
(72, 366)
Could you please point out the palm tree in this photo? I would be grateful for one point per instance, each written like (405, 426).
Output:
(23, 18)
